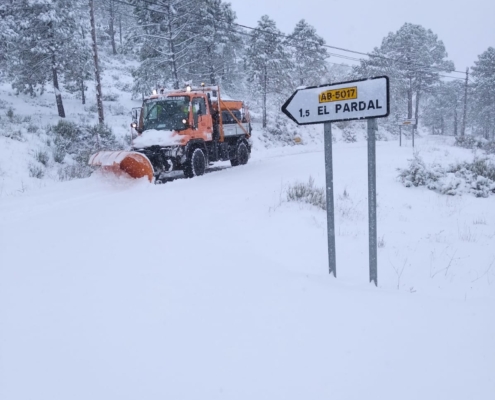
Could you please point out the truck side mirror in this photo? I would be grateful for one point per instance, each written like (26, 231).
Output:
(135, 126)
(135, 113)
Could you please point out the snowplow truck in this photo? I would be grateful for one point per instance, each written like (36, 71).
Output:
(182, 130)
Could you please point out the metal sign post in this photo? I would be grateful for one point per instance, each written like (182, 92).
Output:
(408, 122)
(332, 265)
(373, 242)
(344, 101)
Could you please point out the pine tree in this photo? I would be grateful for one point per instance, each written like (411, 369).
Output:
(112, 13)
(233, 75)
(443, 111)
(114, 20)
(412, 57)
(81, 67)
(337, 73)
(7, 32)
(483, 94)
(22, 66)
(308, 54)
(268, 63)
(96, 64)
(166, 41)
(44, 46)
(215, 43)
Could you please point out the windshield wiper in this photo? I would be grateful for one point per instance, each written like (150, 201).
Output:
(149, 111)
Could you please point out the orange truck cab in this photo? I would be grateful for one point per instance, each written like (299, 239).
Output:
(187, 129)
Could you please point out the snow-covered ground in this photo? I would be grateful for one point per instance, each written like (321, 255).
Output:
(217, 287)
(25, 122)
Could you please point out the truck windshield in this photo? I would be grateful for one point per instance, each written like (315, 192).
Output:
(166, 114)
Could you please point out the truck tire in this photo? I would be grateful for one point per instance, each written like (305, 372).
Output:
(196, 164)
(241, 155)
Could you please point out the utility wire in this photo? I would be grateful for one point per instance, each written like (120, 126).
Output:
(250, 35)
(427, 68)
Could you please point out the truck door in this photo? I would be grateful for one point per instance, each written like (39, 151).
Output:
(202, 120)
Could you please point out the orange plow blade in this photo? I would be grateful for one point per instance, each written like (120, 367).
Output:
(134, 164)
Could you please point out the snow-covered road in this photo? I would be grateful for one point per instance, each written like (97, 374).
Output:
(217, 288)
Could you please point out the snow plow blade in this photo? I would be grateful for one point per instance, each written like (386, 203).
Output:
(134, 164)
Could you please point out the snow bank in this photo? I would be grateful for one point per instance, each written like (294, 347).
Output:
(236, 302)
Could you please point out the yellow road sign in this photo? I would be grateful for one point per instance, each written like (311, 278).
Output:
(348, 93)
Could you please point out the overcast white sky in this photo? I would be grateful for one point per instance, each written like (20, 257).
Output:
(467, 27)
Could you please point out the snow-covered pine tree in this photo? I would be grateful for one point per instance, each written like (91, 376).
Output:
(44, 45)
(112, 16)
(215, 43)
(81, 69)
(96, 64)
(233, 76)
(7, 33)
(412, 57)
(22, 70)
(268, 64)
(337, 73)
(166, 42)
(308, 55)
(483, 94)
(114, 20)
(443, 111)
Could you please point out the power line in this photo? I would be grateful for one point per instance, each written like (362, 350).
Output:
(332, 54)
(286, 37)
(428, 68)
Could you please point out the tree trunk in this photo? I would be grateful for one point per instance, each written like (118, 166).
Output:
(264, 97)
(56, 88)
(99, 102)
(120, 29)
(213, 81)
(81, 83)
(464, 114)
(83, 94)
(173, 60)
(455, 121)
(58, 95)
(409, 100)
(416, 110)
(112, 30)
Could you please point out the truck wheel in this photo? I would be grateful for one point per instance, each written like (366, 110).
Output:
(241, 155)
(196, 164)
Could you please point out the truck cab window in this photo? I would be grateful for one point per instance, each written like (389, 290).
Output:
(199, 108)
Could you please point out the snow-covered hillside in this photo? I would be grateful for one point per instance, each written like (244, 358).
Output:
(217, 287)
(28, 154)
(26, 123)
